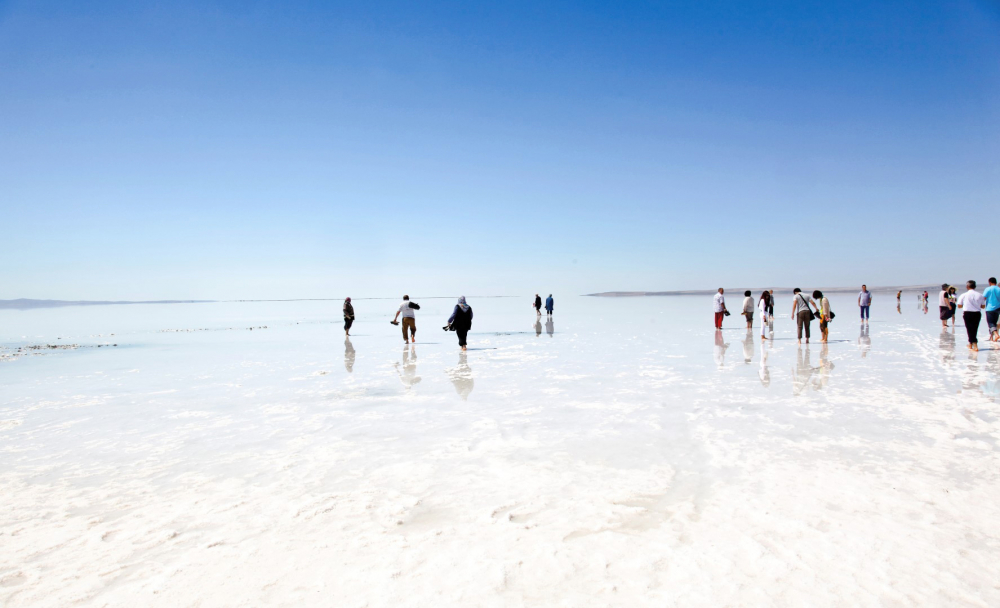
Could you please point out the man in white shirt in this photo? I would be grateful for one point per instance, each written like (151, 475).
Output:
(972, 302)
(719, 302)
(409, 320)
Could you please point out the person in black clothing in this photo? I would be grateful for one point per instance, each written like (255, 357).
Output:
(461, 321)
(348, 316)
(538, 305)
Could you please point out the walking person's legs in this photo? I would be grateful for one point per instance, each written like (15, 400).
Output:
(462, 335)
(411, 323)
(972, 320)
(992, 316)
(347, 326)
(718, 320)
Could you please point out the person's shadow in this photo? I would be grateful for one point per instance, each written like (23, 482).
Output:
(348, 355)
(461, 376)
(550, 327)
(408, 372)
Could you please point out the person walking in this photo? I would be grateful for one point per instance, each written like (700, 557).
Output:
(864, 302)
(461, 321)
(549, 305)
(538, 305)
(801, 312)
(899, 297)
(409, 320)
(953, 302)
(992, 296)
(770, 306)
(824, 314)
(348, 317)
(972, 302)
(748, 308)
(944, 304)
(765, 318)
(719, 303)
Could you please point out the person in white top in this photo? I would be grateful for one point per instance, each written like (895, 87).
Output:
(763, 305)
(409, 320)
(719, 302)
(748, 308)
(972, 302)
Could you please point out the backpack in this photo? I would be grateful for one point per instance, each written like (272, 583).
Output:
(414, 306)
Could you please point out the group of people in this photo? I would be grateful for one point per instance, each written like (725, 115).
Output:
(459, 322)
(973, 304)
(804, 311)
(549, 305)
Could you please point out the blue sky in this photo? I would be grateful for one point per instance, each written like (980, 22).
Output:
(257, 150)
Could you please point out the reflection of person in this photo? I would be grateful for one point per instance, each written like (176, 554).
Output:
(461, 376)
(803, 371)
(864, 341)
(348, 316)
(538, 328)
(825, 366)
(801, 312)
(719, 305)
(408, 374)
(972, 302)
(461, 321)
(720, 349)
(348, 355)
(748, 347)
(409, 320)
(864, 303)
(947, 345)
(550, 328)
(764, 372)
(549, 305)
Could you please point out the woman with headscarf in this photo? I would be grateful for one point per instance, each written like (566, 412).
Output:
(348, 316)
(461, 321)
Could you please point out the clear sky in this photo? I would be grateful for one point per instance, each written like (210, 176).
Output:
(295, 149)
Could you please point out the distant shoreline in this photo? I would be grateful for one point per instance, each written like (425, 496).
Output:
(29, 304)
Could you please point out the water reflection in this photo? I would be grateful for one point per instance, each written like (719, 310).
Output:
(748, 347)
(826, 366)
(348, 355)
(864, 341)
(550, 327)
(947, 345)
(720, 349)
(408, 371)
(764, 372)
(461, 376)
(538, 328)
(803, 371)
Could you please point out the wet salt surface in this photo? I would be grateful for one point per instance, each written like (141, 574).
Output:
(623, 454)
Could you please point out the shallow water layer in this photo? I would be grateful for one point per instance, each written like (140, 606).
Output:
(623, 452)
